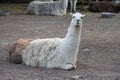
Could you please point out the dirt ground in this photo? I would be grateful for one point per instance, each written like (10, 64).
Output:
(99, 54)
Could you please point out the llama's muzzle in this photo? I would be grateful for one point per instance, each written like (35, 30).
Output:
(78, 21)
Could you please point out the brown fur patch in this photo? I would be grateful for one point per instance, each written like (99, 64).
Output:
(16, 49)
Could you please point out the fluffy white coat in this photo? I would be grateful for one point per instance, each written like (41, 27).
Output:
(56, 52)
(48, 7)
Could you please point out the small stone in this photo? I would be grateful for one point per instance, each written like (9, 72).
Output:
(13, 35)
(75, 77)
(36, 31)
(85, 50)
(38, 79)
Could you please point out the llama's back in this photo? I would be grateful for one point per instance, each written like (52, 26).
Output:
(40, 8)
(42, 52)
(46, 8)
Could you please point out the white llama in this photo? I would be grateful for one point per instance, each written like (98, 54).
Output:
(73, 4)
(51, 52)
(48, 7)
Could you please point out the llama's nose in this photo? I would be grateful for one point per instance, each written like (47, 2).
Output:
(78, 21)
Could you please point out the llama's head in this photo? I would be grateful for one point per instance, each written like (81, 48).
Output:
(77, 18)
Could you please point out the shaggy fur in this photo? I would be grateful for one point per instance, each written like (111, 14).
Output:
(73, 5)
(51, 52)
(48, 8)
(43, 52)
(16, 49)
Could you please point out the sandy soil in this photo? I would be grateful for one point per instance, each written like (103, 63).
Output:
(99, 54)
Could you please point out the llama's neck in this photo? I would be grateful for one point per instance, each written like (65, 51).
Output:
(71, 42)
(74, 33)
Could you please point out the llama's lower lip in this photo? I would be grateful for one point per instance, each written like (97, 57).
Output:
(77, 25)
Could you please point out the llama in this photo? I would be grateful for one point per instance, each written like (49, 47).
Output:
(48, 7)
(51, 52)
(73, 5)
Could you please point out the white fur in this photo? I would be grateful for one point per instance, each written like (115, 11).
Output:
(73, 5)
(48, 7)
(56, 52)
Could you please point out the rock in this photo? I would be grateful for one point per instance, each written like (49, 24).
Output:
(4, 13)
(40, 79)
(75, 77)
(86, 50)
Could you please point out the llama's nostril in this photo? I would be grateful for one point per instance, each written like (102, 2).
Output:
(78, 20)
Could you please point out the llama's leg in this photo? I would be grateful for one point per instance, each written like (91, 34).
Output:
(69, 66)
(71, 5)
(36, 12)
(75, 3)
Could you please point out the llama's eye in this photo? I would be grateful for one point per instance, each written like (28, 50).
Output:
(73, 17)
(81, 17)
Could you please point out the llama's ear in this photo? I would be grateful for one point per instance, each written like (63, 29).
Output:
(83, 15)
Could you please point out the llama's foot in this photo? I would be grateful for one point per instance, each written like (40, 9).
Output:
(36, 13)
(69, 66)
